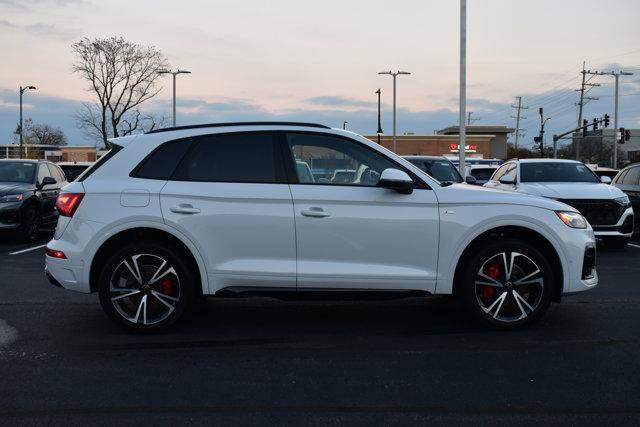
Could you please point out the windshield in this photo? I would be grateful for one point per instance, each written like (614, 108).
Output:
(17, 172)
(72, 172)
(556, 172)
(441, 169)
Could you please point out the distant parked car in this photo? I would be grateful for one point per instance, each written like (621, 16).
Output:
(482, 173)
(607, 208)
(602, 172)
(628, 180)
(343, 176)
(73, 169)
(439, 168)
(28, 192)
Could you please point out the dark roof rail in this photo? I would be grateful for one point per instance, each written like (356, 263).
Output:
(216, 125)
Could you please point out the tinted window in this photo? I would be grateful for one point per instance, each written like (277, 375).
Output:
(631, 178)
(441, 169)
(620, 177)
(556, 172)
(163, 160)
(334, 160)
(238, 157)
(17, 171)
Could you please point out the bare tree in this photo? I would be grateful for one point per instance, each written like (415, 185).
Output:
(47, 135)
(122, 74)
(138, 122)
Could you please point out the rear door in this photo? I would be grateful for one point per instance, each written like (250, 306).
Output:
(229, 195)
(48, 194)
(353, 234)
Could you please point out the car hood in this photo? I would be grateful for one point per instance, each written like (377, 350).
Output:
(466, 194)
(14, 187)
(571, 190)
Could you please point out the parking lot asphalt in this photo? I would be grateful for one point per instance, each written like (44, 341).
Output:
(261, 361)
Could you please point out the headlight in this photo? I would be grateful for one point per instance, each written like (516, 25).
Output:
(12, 198)
(572, 219)
(624, 200)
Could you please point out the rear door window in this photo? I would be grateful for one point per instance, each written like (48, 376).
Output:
(163, 160)
(631, 178)
(248, 157)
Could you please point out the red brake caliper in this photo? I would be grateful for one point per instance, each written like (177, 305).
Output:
(494, 271)
(166, 286)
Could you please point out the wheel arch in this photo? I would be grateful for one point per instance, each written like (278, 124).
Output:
(536, 237)
(137, 232)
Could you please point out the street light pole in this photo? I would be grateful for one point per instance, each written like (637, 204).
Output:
(379, 92)
(174, 74)
(462, 130)
(344, 125)
(22, 90)
(394, 75)
(543, 121)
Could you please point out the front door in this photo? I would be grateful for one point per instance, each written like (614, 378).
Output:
(351, 233)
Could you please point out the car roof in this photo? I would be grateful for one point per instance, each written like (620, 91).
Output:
(234, 124)
(545, 160)
(483, 166)
(75, 163)
(22, 160)
(425, 157)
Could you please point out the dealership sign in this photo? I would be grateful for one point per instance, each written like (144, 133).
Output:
(468, 148)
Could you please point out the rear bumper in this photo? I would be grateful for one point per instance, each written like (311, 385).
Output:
(65, 275)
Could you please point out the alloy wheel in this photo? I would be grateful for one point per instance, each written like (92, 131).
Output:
(509, 286)
(144, 289)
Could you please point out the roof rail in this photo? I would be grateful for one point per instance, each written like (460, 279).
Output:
(215, 125)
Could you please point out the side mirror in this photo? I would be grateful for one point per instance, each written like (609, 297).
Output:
(397, 180)
(471, 180)
(605, 180)
(507, 181)
(47, 180)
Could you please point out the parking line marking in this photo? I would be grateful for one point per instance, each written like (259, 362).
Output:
(635, 246)
(27, 250)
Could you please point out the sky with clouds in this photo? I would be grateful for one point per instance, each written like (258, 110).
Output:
(318, 61)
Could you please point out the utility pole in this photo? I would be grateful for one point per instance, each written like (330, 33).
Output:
(518, 108)
(394, 75)
(617, 75)
(543, 121)
(463, 87)
(471, 120)
(583, 100)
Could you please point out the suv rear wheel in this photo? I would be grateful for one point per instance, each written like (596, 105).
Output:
(146, 286)
(507, 284)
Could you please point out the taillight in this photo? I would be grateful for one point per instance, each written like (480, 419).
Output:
(53, 253)
(67, 203)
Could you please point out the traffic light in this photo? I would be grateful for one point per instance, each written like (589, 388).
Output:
(595, 124)
(627, 135)
(585, 123)
(606, 120)
(623, 136)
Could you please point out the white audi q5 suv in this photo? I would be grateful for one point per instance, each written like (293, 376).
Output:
(256, 209)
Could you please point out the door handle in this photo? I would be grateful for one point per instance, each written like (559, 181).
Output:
(315, 213)
(184, 208)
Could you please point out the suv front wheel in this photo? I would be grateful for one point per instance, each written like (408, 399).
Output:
(145, 286)
(507, 284)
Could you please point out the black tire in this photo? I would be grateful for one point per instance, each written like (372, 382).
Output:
(30, 221)
(615, 243)
(478, 297)
(154, 314)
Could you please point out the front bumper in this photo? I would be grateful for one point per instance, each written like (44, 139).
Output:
(623, 228)
(9, 216)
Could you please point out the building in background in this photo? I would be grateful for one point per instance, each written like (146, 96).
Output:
(477, 146)
(67, 153)
(498, 134)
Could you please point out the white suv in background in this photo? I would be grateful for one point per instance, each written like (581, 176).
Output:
(226, 209)
(606, 207)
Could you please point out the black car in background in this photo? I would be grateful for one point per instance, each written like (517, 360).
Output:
(628, 180)
(28, 193)
(440, 168)
(72, 170)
